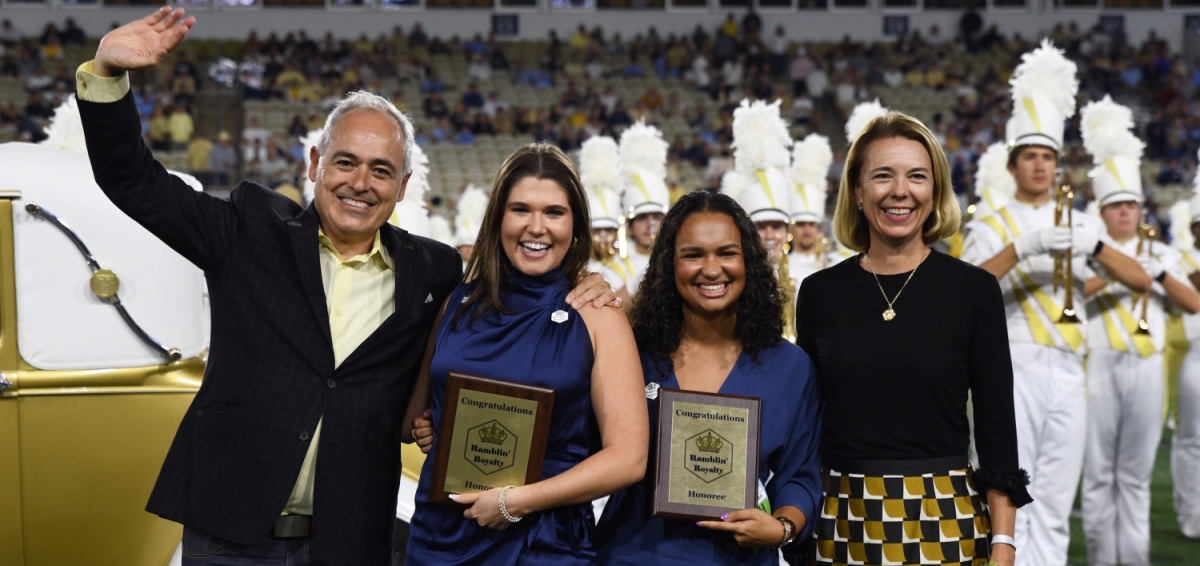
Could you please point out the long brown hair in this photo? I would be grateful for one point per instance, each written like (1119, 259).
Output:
(489, 267)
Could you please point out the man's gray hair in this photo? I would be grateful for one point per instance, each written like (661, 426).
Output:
(363, 100)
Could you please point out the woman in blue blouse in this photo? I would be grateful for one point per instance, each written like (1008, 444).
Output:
(511, 321)
(708, 318)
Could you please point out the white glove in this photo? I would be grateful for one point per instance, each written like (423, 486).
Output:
(1083, 242)
(1044, 241)
(1152, 266)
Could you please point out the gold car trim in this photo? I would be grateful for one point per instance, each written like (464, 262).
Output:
(103, 391)
(183, 375)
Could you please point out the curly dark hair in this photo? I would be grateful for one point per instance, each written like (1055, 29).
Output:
(657, 314)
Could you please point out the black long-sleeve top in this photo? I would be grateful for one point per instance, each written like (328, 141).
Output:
(897, 390)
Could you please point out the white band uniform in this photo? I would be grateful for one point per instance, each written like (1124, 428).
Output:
(1185, 444)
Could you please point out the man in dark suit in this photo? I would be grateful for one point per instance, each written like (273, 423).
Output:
(320, 317)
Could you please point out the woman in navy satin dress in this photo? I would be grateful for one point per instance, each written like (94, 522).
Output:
(511, 321)
(708, 317)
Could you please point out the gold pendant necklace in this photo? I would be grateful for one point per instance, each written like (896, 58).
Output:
(890, 313)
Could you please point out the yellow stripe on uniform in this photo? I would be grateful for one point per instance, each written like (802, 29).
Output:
(1177, 345)
(1174, 350)
(1115, 340)
(620, 269)
(1143, 343)
(1025, 288)
(1109, 305)
(628, 265)
(1069, 332)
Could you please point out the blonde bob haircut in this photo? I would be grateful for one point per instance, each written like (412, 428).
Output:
(850, 224)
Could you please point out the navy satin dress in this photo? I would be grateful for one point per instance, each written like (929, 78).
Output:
(524, 345)
(788, 465)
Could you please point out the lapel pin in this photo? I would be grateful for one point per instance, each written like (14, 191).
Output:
(652, 390)
(559, 316)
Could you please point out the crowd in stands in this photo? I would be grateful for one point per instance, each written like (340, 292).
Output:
(35, 59)
(743, 57)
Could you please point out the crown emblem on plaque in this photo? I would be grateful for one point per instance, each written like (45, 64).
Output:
(709, 443)
(492, 434)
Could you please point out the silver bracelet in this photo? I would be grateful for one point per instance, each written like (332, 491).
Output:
(1004, 539)
(504, 508)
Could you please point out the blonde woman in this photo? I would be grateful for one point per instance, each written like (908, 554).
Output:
(900, 334)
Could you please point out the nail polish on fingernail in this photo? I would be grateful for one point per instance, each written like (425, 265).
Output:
(454, 496)
(698, 524)
(725, 517)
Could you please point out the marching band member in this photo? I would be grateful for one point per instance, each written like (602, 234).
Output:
(1125, 334)
(471, 207)
(760, 159)
(600, 172)
(810, 252)
(1021, 244)
(760, 184)
(1185, 445)
(645, 199)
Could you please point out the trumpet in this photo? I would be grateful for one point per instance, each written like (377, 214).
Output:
(1063, 272)
(1146, 235)
(788, 289)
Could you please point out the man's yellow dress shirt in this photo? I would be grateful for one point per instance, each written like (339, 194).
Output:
(360, 293)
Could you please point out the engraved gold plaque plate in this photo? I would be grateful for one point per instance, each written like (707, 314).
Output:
(493, 434)
(707, 458)
(105, 283)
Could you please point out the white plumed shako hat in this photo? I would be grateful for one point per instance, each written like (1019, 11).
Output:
(761, 159)
(994, 185)
(1107, 129)
(811, 158)
(472, 205)
(411, 214)
(862, 115)
(601, 172)
(440, 230)
(1043, 92)
(1184, 213)
(644, 157)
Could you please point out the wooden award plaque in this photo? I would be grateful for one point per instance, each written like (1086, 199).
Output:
(707, 458)
(492, 434)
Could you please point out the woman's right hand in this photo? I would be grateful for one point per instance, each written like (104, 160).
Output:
(422, 431)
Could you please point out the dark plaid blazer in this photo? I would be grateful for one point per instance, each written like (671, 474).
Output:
(270, 374)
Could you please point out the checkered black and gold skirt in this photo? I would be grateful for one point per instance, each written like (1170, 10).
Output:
(920, 519)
